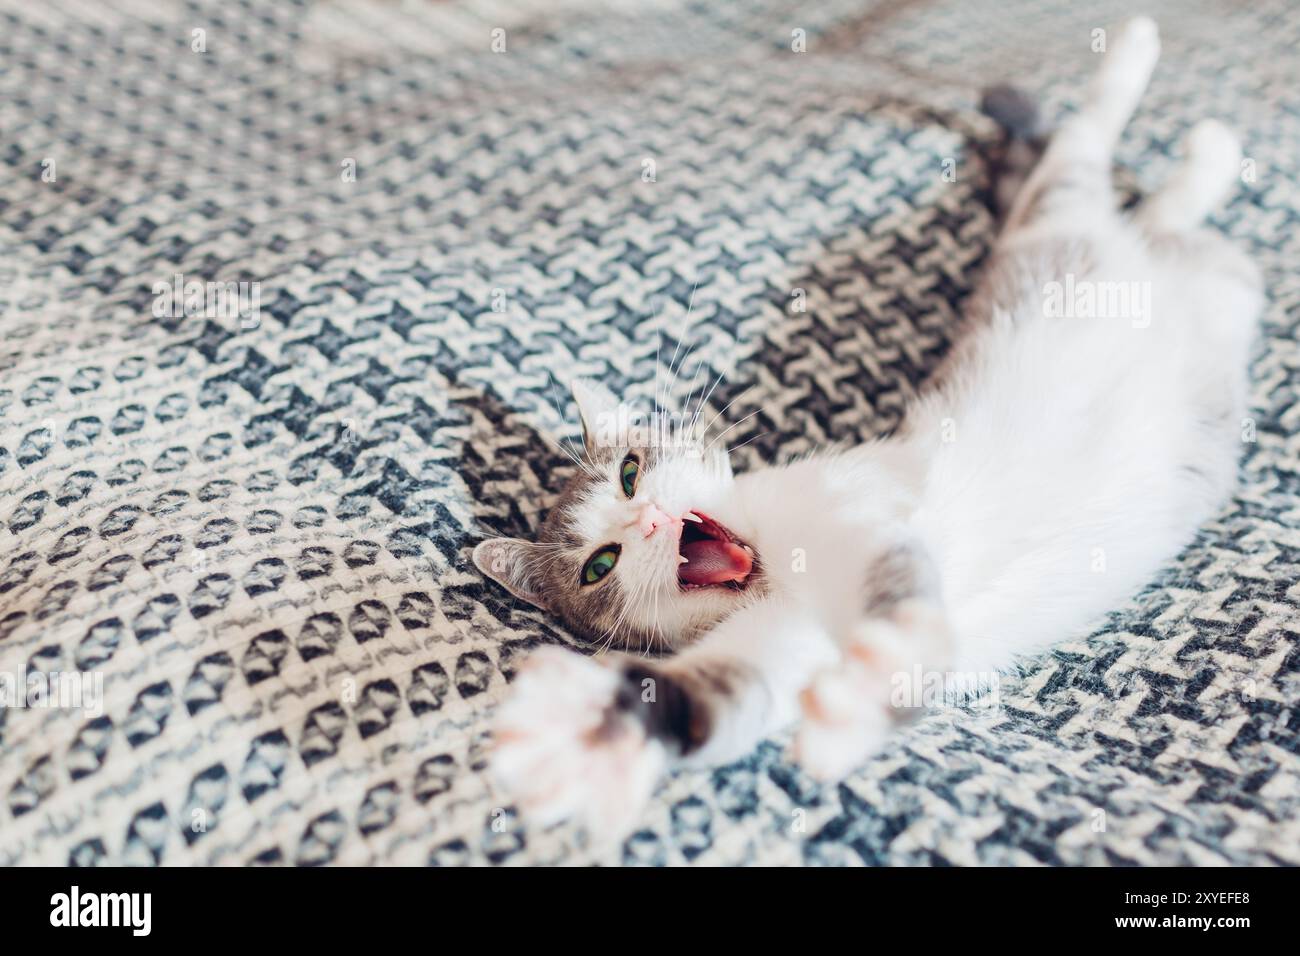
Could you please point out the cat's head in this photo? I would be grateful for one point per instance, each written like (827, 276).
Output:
(647, 545)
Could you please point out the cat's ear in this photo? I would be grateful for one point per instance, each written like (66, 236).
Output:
(512, 563)
(598, 409)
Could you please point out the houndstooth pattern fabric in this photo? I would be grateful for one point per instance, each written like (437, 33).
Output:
(256, 531)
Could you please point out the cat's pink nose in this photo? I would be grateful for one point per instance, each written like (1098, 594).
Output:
(652, 517)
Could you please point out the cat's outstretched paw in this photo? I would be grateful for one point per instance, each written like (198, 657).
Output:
(845, 716)
(565, 748)
(849, 710)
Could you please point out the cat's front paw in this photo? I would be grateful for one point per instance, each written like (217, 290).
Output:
(845, 717)
(566, 746)
(849, 710)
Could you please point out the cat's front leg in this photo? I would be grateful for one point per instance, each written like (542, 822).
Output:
(850, 708)
(588, 738)
(569, 742)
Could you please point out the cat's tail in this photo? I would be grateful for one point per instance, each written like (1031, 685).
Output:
(1017, 113)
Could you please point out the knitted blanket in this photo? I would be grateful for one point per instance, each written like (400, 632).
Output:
(289, 293)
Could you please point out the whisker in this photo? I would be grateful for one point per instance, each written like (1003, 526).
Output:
(673, 365)
(695, 419)
(741, 421)
(687, 402)
(747, 441)
(723, 411)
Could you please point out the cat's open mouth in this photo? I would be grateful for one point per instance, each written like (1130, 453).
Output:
(711, 556)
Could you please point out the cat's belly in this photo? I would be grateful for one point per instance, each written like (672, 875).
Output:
(1064, 461)
(1083, 457)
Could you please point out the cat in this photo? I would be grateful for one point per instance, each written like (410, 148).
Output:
(1085, 424)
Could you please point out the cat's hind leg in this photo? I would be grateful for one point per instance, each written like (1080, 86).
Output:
(1204, 179)
(1225, 276)
(1211, 272)
(1071, 184)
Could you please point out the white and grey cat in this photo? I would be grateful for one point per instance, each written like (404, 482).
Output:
(1051, 467)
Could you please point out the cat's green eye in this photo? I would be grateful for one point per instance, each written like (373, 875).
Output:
(628, 473)
(600, 564)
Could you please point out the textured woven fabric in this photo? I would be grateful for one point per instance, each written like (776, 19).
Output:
(256, 530)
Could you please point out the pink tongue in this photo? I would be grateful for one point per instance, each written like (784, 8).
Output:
(712, 562)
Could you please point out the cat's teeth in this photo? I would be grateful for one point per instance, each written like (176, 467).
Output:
(692, 516)
(682, 559)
